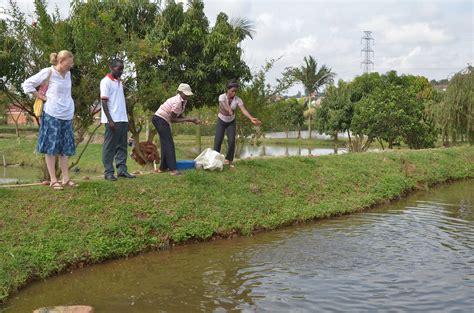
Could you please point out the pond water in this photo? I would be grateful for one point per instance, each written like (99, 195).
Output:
(19, 174)
(415, 254)
(23, 175)
(304, 134)
(250, 151)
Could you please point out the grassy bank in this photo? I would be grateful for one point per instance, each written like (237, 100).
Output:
(44, 232)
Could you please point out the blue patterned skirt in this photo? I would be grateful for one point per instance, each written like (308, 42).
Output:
(56, 137)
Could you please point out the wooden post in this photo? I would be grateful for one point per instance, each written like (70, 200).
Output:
(198, 134)
(309, 126)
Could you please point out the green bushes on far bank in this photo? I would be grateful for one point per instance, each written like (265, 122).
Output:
(43, 232)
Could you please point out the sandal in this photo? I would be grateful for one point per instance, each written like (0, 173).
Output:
(71, 184)
(160, 171)
(56, 185)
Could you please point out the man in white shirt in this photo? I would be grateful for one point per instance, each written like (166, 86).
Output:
(114, 116)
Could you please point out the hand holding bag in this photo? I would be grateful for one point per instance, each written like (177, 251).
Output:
(39, 103)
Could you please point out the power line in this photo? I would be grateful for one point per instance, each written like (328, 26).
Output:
(367, 51)
(417, 68)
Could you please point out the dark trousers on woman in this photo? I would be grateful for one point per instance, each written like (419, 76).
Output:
(115, 147)
(221, 127)
(168, 155)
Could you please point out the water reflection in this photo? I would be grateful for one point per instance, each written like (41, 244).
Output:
(303, 134)
(249, 151)
(413, 255)
(18, 174)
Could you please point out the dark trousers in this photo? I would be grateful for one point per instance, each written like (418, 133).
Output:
(221, 127)
(115, 146)
(168, 154)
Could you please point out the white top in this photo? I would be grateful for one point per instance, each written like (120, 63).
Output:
(235, 102)
(59, 103)
(111, 89)
(174, 104)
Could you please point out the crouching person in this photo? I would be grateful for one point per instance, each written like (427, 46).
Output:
(171, 111)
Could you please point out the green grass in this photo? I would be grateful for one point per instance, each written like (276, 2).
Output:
(44, 232)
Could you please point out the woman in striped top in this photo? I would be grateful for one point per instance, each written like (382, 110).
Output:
(171, 111)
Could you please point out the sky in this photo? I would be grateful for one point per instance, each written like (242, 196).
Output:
(420, 37)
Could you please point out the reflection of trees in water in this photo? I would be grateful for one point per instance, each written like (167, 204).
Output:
(249, 151)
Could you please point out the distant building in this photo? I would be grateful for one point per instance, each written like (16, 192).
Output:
(14, 113)
(441, 87)
(315, 103)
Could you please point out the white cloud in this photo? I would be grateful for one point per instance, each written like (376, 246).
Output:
(416, 33)
(403, 61)
(264, 20)
(301, 46)
(429, 10)
(403, 32)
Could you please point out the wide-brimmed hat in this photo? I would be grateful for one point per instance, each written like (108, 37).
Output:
(186, 89)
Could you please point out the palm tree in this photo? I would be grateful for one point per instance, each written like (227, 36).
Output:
(243, 26)
(312, 78)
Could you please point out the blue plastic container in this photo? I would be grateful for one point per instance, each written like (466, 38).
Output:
(185, 164)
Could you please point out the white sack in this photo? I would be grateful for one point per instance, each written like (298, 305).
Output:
(210, 160)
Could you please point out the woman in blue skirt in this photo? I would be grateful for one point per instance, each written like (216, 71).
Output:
(56, 135)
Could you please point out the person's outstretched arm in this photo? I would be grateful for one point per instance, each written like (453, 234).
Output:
(181, 119)
(254, 120)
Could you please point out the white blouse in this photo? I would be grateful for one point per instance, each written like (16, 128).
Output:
(59, 102)
(233, 105)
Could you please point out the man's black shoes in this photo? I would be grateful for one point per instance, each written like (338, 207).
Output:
(110, 177)
(126, 175)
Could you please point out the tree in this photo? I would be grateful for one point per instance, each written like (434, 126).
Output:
(336, 111)
(15, 58)
(439, 113)
(293, 114)
(361, 87)
(380, 116)
(420, 132)
(312, 78)
(453, 114)
(394, 111)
